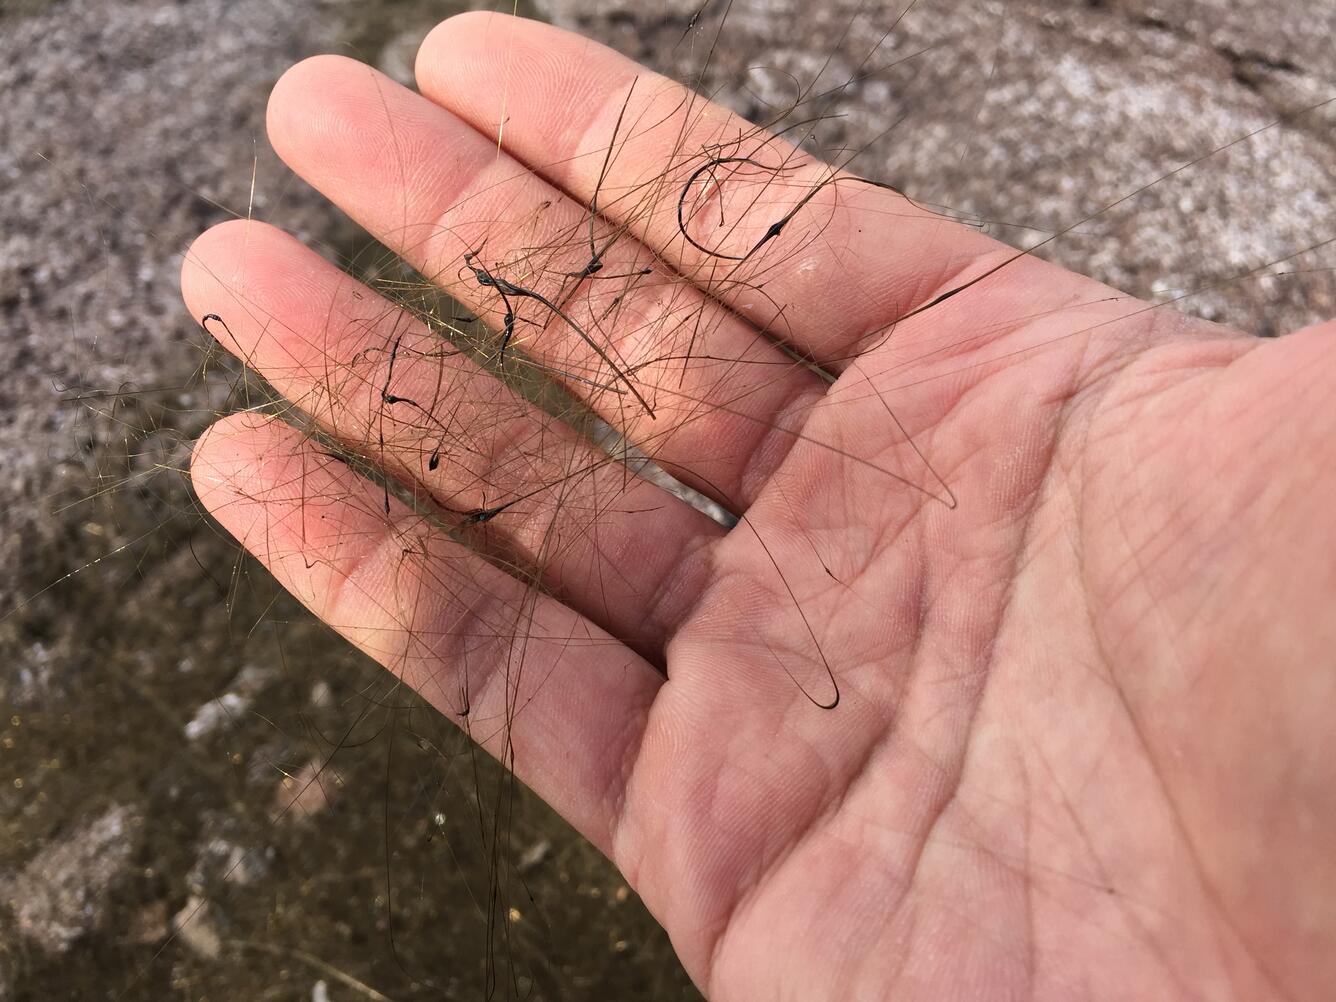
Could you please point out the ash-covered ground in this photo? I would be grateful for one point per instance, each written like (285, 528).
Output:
(175, 820)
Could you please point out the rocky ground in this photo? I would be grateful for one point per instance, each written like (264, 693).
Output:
(172, 821)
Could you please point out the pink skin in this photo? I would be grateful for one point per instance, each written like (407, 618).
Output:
(1083, 748)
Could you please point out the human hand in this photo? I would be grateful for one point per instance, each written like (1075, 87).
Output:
(1081, 746)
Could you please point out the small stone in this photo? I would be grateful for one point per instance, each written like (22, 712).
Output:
(306, 793)
(63, 892)
(149, 925)
(534, 856)
(195, 927)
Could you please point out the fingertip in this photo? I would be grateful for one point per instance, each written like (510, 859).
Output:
(536, 78)
(468, 60)
(217, 269)
(243, 470)
(232, 454)
(309, 110)
(209, 258)
(303, 80)
(457, 36)
(217, 461)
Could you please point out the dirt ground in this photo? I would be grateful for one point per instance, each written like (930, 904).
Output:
(203, 793)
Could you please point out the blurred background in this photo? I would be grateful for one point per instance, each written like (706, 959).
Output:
(203, 793)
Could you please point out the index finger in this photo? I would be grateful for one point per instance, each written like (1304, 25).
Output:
(819, 259)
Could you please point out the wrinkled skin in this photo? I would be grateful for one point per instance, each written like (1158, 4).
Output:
(1082, 747)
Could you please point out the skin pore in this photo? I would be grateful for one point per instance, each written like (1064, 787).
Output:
(1080, 747)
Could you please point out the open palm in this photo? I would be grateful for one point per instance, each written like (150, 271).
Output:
(1067, 562)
